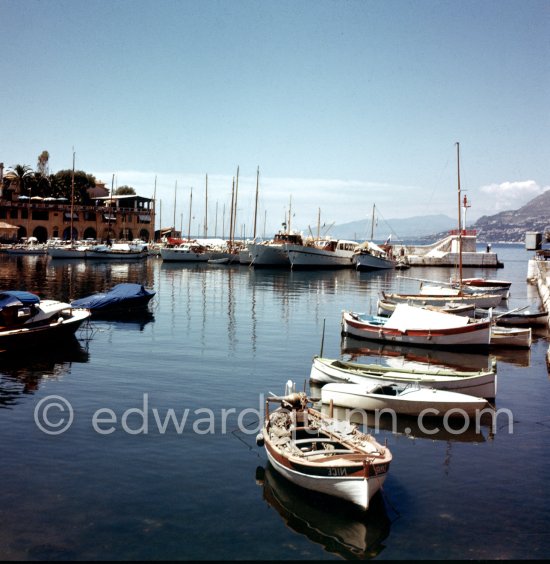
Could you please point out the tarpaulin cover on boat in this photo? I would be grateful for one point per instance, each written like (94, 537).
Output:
(127, 292)
(12, 298)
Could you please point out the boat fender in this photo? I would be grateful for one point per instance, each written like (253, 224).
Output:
(260, 439)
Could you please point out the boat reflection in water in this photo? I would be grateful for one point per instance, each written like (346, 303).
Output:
(21, 374)
(399, 355)
(410, 426)
(394, 355)
(341, 530)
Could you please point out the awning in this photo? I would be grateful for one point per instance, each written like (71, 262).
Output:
(68, 215)
(109, 217)
(145, 218)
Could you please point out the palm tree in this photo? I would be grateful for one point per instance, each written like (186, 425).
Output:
(19, 174)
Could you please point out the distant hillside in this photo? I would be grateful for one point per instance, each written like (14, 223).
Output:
(507, 226)
(511, 226)
(409, 228)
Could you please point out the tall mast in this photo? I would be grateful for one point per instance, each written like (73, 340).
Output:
(206, 210)
(72, 199)
(190, 206)
(154, 207)
(175, 193)
(459, 218)
(372, 224)
(235, 213)
(319, 224)
(289, 213)
(256, 205)
(231, 215)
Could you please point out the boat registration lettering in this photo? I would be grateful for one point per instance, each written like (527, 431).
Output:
(337, 472)
(381, 469)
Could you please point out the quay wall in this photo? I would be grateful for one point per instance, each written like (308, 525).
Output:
(538, 273)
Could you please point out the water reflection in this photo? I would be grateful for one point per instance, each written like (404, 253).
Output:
(21, 375)
(342, 530)
(394, 355)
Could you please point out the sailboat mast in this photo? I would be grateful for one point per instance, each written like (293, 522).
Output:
(372, 224)
(319, 224)
(190, 207)
(231, 215)
(206, 210)
(459, 218)
(235, 212)
(175, 192)
(72, 200)
(256, 204)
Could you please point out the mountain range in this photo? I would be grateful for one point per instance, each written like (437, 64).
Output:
(507, 226)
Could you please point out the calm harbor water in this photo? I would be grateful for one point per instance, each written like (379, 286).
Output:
(126, 481)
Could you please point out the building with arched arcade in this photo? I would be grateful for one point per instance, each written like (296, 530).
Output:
(125, 218)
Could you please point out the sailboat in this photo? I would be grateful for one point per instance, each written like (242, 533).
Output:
(437, 293)
(370, 256)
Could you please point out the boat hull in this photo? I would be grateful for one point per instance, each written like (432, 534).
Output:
(268, 255)
(515, 337)
(47, 334)
(475, 334)
(426, 402)
(175, 255)
(481, 384)
(479, 300)
(302, 257)
(367, 262)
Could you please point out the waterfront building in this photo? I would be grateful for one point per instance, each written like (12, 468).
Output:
(124, 217)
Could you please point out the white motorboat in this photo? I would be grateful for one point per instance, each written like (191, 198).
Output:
(322, 253)
(403, 399)
(28, 321)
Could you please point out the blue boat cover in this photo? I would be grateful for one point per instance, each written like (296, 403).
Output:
(10, 298)
(114, 297)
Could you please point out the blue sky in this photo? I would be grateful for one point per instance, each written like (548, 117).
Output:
(341, 104)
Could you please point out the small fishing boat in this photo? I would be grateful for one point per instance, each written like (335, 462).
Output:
(223, 260)
(482, 300)
(480, 383)
(488, 285)
(323, 454)
(406, 399)
(387, 307)
(514, 337)
(418, 326)
(28, 321)
(523, 318)
(125, 298)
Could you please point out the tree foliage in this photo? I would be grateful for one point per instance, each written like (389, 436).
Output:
(124, 191)
(61, 185)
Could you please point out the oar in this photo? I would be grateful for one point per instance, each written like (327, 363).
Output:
(322, 339)
(510, 311)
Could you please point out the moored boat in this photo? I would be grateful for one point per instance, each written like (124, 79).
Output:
(322, 253)
(480, 383)
(125, 298)
(514, 337)
(323, 454)
(403, 399)
(481, 300)
(387, 307)
(418, 326)
(26, 320)
(117, 251)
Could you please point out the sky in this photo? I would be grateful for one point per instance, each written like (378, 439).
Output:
(339, 104)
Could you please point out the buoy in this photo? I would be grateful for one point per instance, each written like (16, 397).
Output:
(260, 440)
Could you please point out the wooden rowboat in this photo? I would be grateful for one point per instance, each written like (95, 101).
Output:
(482, 383)
(419, 326)
(323, 454)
